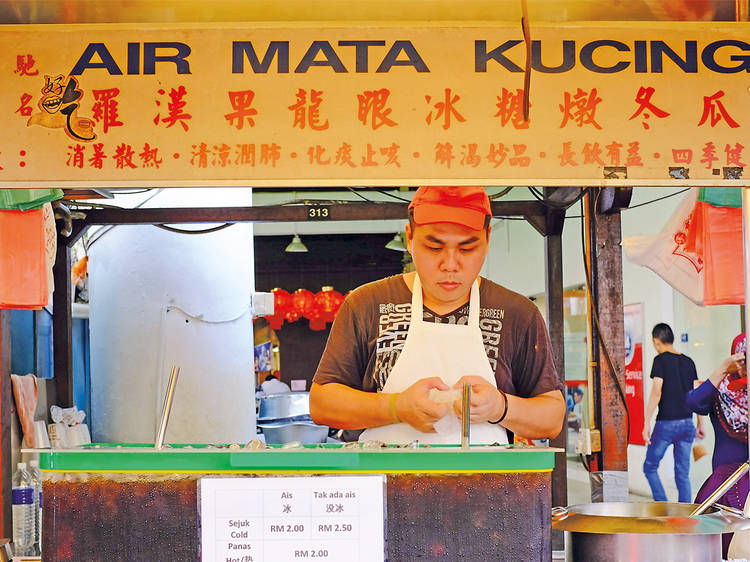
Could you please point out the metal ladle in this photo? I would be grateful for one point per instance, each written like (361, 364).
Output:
(466, 416)
(167, 408)
(721, 490)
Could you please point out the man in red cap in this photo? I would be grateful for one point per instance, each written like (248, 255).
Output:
(398, 375)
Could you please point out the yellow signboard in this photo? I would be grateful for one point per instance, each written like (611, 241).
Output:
(249, 105)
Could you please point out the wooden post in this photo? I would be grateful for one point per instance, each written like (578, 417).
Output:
(606, 258)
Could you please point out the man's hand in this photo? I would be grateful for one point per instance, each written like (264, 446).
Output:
(486, 401)
(700, 433)
(414, 407)
(647, 433)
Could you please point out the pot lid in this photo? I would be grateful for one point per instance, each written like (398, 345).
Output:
(647, 518)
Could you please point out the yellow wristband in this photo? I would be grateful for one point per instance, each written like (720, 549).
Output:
(392, 407)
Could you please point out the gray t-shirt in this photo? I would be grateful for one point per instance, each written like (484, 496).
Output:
(370, 331)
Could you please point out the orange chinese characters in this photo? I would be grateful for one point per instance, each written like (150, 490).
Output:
(316, 154)
(469, 156)
(344, 156)
(591, 154)
(645, 107)
(634, 154)
(580, 108)
(519, 158)
(59, 105)
(445, 109)
(372, 108)
(682, 155)
(613, 153)
(241, 102)
(709, 155)
(566, 156)
(106, 107)
(307, 112)
(199, 157)
(368, 158)
(510, 109)
(270, 154)
(444, 154)
(24, 65)
(714, 109)
(734, 154)
(391, 154)
(175, 108)
(497, 154)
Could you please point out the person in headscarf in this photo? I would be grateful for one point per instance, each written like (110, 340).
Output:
(723, 397)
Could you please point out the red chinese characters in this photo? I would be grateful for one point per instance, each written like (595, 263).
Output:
(445, 109)
(25, 66)
(645, 107)
(150, 157)
(714, 111)
(175, 107)
(75, 156)
(241, 102)
(106, 108)
(580, 108)
(124, 156)
(510, 109)
(372, 108)
(307, 110)
(25, 109)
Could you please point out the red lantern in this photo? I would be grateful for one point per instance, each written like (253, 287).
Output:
(317, 324)
(328, 302)
(282, 301)
(303, 303)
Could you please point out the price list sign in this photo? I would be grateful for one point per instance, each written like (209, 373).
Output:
(331, 518)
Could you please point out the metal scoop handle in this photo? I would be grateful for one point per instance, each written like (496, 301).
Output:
(721, 490)
(466, 416)
(167, 408)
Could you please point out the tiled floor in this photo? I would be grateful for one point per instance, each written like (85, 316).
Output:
(579, 487)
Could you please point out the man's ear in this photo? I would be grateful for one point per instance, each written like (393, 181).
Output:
(409, 234)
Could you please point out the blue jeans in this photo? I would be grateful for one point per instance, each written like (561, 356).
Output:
(679, 433)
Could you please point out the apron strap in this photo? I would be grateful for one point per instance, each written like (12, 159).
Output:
(417, 303)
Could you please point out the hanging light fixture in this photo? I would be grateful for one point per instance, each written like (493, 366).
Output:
(397, 243)
(296, 245)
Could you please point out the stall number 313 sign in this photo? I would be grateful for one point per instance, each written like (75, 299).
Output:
(327, 518)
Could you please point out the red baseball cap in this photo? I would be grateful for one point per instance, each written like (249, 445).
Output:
(467, 206)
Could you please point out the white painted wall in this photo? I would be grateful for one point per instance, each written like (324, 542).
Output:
(160, 298)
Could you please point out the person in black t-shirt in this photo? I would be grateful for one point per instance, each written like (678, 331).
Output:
(673, 377)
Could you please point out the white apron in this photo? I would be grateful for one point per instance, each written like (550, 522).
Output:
(448, 351)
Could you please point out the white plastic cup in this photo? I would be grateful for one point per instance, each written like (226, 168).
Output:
(41, 438)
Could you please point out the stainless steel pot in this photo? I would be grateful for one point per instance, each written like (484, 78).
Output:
(643, 531)
(286, 432)
(284, 405)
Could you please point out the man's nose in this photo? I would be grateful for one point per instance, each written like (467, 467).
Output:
(449, 261)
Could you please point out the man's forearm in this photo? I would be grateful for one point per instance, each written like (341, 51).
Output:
(342, 407)
(653, 401)
(538, 417)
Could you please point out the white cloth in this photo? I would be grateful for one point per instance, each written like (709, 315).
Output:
(448, 351)
(274, 386)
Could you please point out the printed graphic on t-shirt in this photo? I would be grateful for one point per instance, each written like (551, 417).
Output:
(393, 325)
